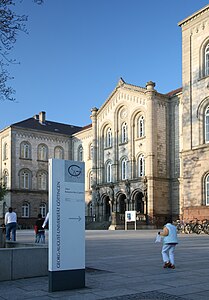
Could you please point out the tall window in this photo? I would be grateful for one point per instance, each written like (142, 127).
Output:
(91, 149)
(207, 60)
(109, 137)
(90, 179)
(42, 152)
(42, 210)
(141, 166)
(25, 150)
(207, 125)
(25, 178)
(140, 127)
(5, 151)
(42, 180)
(25, 210)
(207, 190)
(80, 153)
(109, 171)
(124, 133)
(59, 152)
(124, 169)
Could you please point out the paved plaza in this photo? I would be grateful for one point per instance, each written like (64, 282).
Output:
(127, 265)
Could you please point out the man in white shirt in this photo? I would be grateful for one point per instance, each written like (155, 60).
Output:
(11, 224)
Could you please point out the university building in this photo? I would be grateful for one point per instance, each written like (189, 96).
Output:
(143, 151)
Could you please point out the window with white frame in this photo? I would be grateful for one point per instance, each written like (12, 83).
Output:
(25, 150)
(42, 180)
(80, 153)
(141, 165)
(25, 210)
(207, 190)
(109, 137)
(59, 152)
(5, 178)
(207, 125)
(124, 164)
(140, 127)
(207, 60)
(42, 152)
(109, 171)
(25, 178)
(5, 151)
(124, 133)
(42, 210)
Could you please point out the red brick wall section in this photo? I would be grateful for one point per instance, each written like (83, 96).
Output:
(199, 212)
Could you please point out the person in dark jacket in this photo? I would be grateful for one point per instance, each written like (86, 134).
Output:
(39, 230)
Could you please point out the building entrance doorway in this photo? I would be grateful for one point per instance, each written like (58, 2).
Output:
(107, 208)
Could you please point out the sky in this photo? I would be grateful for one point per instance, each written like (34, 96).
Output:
(77, 51)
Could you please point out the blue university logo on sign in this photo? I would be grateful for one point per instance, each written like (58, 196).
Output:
(74, 171)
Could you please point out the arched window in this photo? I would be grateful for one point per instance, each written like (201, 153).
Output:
(42, 210)
(207, 60)
(58, 152)
(109, 137)
(140, 127)
(109, 171)
(207, 190)
(5, 178)
(42, 152)
(25, 179)
(5, 151)
(124, 133)
(80, 153)
(124, 169)
(207, 125)
(25, 210)
(141, 166)
(25, 150)
(42, 180)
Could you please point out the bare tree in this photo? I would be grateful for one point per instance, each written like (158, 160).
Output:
(10, 25)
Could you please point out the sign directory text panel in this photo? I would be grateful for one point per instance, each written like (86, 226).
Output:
(66, 215)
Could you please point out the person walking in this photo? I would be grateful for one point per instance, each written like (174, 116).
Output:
(170, 241)
(11, 224)
(39, 230)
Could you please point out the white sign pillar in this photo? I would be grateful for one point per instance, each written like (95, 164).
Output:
(66, 225)
(130, 216)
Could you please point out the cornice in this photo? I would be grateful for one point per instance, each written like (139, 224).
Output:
(194, 16)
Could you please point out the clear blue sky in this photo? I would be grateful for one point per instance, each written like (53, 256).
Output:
(77, 50)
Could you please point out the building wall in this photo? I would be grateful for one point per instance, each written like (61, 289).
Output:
(195, 150)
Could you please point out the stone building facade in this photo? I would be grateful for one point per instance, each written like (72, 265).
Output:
(143, 150)
(194, 149)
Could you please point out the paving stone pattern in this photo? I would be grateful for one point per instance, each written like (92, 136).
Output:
(148, 295)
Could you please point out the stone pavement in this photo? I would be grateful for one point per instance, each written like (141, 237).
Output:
(127, 265)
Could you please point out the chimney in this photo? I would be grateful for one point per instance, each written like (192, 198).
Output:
(42, 117)
(36, 117)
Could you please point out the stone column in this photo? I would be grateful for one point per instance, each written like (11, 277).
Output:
(94, 159)
(150, 143)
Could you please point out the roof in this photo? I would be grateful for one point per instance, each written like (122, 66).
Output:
(174, 92)
(193, 16)
(48, 126)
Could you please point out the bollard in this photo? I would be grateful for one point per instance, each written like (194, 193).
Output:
(2, 237)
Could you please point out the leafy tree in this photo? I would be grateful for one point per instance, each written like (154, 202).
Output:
(10, 25)
(3, 190)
